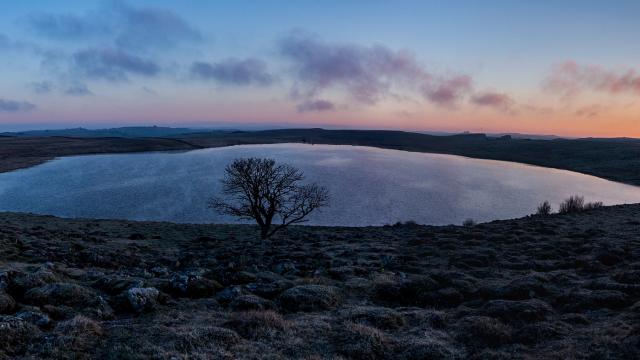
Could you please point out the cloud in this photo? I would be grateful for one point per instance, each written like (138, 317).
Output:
(234, 71)
(78, 89)
(5, 42)
(570, 78)
(126, 27)
(590, 111)
(367, 74)
(449, 91)
(8, 44)
(66, 26)
(42, 87)
(315, 105)
(112, 64)
(493, 99)
(15, 106)
(149, 91)
(152, 27)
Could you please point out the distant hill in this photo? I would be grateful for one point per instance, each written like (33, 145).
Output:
(126, 132)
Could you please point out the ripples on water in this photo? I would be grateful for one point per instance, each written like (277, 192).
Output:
(368, 186)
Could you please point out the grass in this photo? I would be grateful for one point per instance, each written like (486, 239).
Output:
(536, 287)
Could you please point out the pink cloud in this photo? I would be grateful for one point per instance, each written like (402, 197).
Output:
(590, 111)
(448, 91)
(571, 78)
(493, 99)
(315, 105)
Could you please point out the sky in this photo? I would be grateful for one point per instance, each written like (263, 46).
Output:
(563, 67)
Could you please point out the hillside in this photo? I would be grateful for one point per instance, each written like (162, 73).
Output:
(558, 287)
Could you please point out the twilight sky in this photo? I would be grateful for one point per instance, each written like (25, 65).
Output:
(565, 67)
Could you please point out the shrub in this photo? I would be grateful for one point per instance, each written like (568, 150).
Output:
(193, 339)
(484, 330)
(75, 338)
(576, 204)
(468, 223)
(359, 341)
(544, 209)
(379, 317)
(257, 324)
(15, 335)
(593, 205)
(573, 204)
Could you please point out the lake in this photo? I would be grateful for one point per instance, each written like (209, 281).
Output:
(368, 186)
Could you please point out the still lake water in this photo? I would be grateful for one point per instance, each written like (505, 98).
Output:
(368, 186)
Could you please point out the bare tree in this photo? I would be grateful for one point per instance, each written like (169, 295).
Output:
(269, 193)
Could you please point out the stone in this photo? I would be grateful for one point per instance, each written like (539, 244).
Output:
(309, 298)
(142, 299)
(7, 304)
(250, 302)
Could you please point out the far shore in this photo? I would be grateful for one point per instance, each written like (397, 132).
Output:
(612, 159)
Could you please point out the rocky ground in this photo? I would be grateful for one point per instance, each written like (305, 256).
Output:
(557, 287)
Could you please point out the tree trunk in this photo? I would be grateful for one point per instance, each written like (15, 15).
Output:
(264, 232)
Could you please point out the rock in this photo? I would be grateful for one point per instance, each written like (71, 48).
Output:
(426, 348)
(60, 312)
(443, 298)
(199, 338)
(628, 277)
(228, 294)
(541, 332)
(257, 324)
(70, 295)
(574, 318)
(137, 236)
(4, 280)
(15, 334)
(583, 299)
(268, 290)
(116, 285)
(480, 331)
(242, 277)
(269, 276)
(34, 316)
(159, 271)
(415, 291)
(142, 299)
(341, 273)
(309, 298)
(526, 287)
(525, 311)
(358, 341)
(61, 294)
(7, 304)
(193, 286)
(23, 281)
(286, 268)
(380, 317)
(250, 302)
(204, 239)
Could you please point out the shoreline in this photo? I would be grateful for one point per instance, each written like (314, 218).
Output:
(32, 162)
